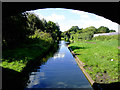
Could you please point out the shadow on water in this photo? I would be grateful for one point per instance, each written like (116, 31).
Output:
(18, 80)
(14, 79)
(34, 65)
(11, 79)
(110, 86)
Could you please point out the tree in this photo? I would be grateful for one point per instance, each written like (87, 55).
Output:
(34, 22)
(15, 30)
(112, 30)
(90, 29)
(103, 29)
(44, 24)
(53, 29)
(74, 29)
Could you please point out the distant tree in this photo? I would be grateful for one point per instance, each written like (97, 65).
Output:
(103, 29)
(74, 29)
(112, 31)
(79, 31)
(72, 37)
(90, 29)
(62, 34)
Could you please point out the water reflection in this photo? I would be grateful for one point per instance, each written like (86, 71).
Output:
(60, 71)
(59, 55)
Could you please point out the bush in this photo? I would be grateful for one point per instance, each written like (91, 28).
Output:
(42, 36)
(103, 38)
(82, 36)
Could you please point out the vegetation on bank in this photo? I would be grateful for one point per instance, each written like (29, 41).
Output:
(26, 37)
(16, 59)
(75, 33)
(100, 57)
(99, 54)
(106, 38)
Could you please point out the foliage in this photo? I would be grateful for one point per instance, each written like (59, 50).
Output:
(21, 26)
(82, 36)
(68, 34)
(74, 29)
(17, 58)
(103, 38)
(14, 30)
(86, 34)
(54, 30)
(112, 31)
(103, 29)
(76, 34)
(34, 22)
(40, 35)
(26, 37)
(90, 29)
(42, 25)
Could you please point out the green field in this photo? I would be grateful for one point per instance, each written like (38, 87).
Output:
(100, 58)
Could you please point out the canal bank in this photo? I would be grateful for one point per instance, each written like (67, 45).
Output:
(81, 65)
(13, 79)
(60, 71)
(94, 84)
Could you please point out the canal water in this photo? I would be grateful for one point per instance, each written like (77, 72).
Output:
(60, 71)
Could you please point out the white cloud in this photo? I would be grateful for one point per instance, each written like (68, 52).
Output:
(64, 27)
(82, 14)
(89, 19)
(78, 12)
(84, 20)
(83, 23)
(55, 17)
(52, 17)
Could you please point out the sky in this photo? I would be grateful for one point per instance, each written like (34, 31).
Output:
(66, 18)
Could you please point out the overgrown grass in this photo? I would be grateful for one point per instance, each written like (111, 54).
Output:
(100, 58)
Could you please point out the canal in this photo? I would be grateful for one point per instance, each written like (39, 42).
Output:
(60, 71)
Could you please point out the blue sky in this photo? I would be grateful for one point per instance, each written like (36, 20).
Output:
(66, 18)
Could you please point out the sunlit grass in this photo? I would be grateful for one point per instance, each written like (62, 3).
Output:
(18, 58)
(100, 58)
(15, 65)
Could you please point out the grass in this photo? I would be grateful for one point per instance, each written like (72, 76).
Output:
(97, 56)
(16, 59)
(17, 63)
(35, 46)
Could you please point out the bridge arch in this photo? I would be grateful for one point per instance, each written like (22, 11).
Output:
(107, 10)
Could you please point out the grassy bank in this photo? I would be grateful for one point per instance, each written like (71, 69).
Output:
(100, 58)
(16, 59)
(35, 46)
(19, 62)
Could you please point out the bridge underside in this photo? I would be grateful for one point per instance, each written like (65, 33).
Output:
(107, 10)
